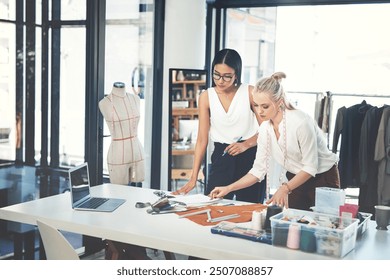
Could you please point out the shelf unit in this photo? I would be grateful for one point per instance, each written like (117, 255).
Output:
(184, 96)
(184, 102)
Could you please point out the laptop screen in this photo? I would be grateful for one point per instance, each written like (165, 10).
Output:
(79, 182)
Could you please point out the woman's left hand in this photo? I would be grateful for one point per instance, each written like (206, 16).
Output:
(280, 197)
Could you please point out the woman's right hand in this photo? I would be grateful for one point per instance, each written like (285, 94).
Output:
(186, 188)
(219, 192)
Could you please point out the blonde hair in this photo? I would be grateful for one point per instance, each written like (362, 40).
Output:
(273, 87)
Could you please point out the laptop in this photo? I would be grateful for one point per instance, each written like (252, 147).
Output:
(80, 191)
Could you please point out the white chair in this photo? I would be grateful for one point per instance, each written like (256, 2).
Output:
(57, 247)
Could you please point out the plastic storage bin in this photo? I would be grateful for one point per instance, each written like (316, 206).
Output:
(314, 232)
(363, 223)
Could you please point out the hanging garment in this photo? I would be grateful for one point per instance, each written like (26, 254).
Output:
(387, 146)
(368, 193)
(326, 114)
(350, 141)
(338, 127)
(321, 112)
(382, 156)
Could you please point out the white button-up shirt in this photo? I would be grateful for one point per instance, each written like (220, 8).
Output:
(305, 148)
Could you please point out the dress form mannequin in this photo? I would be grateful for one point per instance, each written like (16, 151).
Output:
(125, 158)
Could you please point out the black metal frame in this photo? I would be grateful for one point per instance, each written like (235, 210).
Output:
(55, 68)
(95, 50)
(158, 68)
(274, 3)
(19, 80)
(45, 84)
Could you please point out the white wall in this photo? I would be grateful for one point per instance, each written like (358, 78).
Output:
(185, 39)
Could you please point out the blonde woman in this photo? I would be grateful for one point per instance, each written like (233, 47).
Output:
(294, 140)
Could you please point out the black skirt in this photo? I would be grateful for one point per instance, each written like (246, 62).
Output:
(227, 169)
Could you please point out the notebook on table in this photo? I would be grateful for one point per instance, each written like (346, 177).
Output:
(80, 190)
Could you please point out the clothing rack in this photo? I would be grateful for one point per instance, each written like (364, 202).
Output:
(371, 190)
(358, 95)
(330, 94)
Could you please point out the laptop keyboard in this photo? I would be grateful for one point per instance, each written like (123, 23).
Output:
(94, 202)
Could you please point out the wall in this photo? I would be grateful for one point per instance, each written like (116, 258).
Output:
(185, 39)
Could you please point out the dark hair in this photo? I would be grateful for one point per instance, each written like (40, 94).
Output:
(232, 59)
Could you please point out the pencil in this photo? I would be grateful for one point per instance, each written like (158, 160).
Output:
(225, 152)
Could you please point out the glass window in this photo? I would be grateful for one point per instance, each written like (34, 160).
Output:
(72, 96)
(252, 33)
(122, 9)
(7, 9)
(129, 56)
(38, 86)
(73, 10)
(9, 131)
(332, 53)
(38, 12)
(317, 48)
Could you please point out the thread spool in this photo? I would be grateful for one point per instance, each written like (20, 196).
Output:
(308, 241)
(256, 220)
(293, 238)
(271, 211)
(263, 215)
(279, 234)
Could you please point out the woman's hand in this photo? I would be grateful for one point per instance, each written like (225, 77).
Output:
(236, 148)
(186, 188)
(280, 197)
(219, 192)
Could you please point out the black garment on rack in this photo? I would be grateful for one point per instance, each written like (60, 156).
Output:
(368, 193)
(338, 128)
(350, 141)
(382, 156)
(324, 114)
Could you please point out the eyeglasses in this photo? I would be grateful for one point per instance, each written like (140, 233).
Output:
(226, 78)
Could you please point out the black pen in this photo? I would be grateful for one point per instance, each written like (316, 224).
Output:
(225, 152)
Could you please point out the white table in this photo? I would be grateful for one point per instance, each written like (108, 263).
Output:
(166, 231)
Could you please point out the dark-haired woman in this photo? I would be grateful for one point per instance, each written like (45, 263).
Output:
(227, 117)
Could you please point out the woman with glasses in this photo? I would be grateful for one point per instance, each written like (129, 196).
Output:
(226, 115)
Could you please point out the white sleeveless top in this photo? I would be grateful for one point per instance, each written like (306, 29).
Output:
(239, 121)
